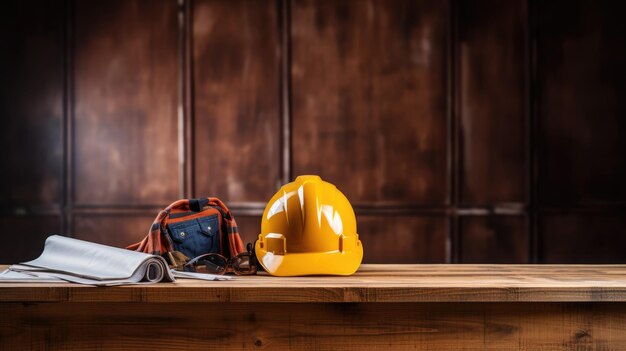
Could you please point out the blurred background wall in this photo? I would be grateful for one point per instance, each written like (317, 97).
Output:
(461, 130)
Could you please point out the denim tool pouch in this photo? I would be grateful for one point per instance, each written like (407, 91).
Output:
(196, 236)
(188, 228)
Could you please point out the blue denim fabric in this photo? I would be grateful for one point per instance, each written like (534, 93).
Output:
(196, 236)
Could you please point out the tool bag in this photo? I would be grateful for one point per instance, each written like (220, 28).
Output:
(189, 228)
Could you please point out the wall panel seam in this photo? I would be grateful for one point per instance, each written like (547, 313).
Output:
(185, 96)
(532, 116)
(189, 99)
(453, 246)
(68, 121)
(284, 26)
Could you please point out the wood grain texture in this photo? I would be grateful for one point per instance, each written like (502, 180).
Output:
(492, 101)
(31, 102)
(236, 93)
(485, 326)
(580, 64)
(371, 283)
(119, 230)
(403, 239)
(582, 238)
(126, 148)
(22, 237)
(494, 239)
(369, 97)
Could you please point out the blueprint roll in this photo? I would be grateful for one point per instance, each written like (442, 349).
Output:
(154, 272)
(85, 262)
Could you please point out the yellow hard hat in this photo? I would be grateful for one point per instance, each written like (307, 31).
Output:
(308, 228)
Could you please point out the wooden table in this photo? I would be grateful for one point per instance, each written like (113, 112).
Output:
(391, 307)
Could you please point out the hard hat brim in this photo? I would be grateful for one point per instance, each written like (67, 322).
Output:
(316, 263)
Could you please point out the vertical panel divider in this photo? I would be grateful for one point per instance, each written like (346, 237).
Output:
(185, 105)
(67, 194)
(533, 139)
(284, 18)
(453, 246)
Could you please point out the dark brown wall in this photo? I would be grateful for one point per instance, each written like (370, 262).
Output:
(462, 131)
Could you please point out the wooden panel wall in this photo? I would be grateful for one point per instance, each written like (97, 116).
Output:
(491, 101)
(125, 148)
(236, 110)
(580, 66)
(462, 131)
(491, 138)
(365, 87)
(32, 115)
(580, 128)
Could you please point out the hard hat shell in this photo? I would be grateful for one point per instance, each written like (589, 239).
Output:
(308, 228)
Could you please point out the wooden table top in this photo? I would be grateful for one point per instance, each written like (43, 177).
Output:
(372, 283)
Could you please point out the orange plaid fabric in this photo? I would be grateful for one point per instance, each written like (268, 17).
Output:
(158, 242)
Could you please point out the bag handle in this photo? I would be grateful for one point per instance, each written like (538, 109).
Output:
(196, 205)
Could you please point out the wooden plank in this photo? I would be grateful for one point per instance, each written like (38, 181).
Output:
(582, 238)
(23, 237)
(199, 325)
(31, 103)
(492, 100)
(403, 239)
(369, 97)
(372, 283)
(494, 239)
(236, 99)
(580, 68)
(125, 69)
